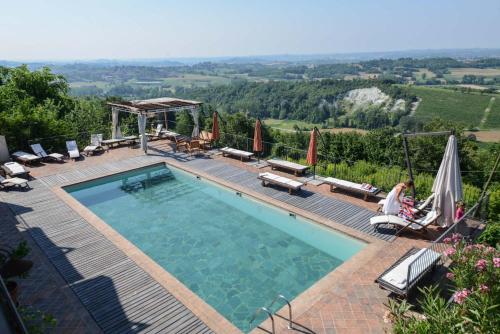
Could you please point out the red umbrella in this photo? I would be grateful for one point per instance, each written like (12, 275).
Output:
(257, 138)
(215, 127)
(312, 152)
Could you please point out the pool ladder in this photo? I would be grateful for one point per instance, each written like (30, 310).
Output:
(292, 325)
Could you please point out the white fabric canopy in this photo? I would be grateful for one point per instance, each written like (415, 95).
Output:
(447, 186)
(196, 120)
(141, 121)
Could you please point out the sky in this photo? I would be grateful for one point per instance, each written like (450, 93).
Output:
(133, 29)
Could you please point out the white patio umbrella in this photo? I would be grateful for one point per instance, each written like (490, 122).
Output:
(447, 186)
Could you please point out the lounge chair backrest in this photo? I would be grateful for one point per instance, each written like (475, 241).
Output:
(2, 178)
(38, 150)
(96, 139)
(158, 129)
(71, 145)
(426, 202)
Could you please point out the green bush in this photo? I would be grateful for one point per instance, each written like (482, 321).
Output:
(491, 235)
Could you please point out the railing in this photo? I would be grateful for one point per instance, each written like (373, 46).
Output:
(9, 310)
(433, 255)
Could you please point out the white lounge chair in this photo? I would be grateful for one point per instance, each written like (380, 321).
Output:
(408, 270)
(73, 151)
(288, 165)
(420, 208)
(236, 153)
(13, 182)
(95, 145)
(39, 151)
(270, 178)
(351, 186)
(14, 169)
(157, 134)
(26, 158)
(420, 224)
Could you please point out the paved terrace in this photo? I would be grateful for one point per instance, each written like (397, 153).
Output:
(109, 289)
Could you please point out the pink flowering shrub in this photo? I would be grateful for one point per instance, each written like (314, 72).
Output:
(474, 275)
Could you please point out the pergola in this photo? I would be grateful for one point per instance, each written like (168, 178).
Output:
(145, 109)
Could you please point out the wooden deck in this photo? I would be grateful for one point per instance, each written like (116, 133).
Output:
(120, 296)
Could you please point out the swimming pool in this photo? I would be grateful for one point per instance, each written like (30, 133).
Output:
(234, 252)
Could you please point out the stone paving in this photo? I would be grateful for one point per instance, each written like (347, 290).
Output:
(353, 303)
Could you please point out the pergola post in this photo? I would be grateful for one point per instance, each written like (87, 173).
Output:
(141, 122)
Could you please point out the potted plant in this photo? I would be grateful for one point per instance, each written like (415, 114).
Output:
(12, 265)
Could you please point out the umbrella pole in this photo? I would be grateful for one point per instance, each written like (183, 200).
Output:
(314, 172)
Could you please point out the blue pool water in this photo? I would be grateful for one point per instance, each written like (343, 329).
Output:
(234, 252)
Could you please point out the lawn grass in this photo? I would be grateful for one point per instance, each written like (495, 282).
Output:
(465, 108)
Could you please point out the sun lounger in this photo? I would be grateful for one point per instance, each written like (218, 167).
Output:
(420, 224)
(418, 209)
(405, 273)
(13, 169)
(73, 151)
(236, 153)
(168, 134)
(287, 165)
(13, 182)
(39, 151)
(351, 186)
(269, 178)
(26, 158)
(95, 145)
(157, 134)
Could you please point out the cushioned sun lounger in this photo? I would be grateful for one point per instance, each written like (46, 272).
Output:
(405, 273)
(418, 209)
(73, 151)
(39, 151)
(236, 153)
(95, 145)
(420, 224)
(14, 169)
(26, 158)
(287, 165)
(351, 186)
(157, 134)
(270, 178)
(13, 182)
(168, 134)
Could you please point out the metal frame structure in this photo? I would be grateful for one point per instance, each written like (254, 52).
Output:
(149, 108)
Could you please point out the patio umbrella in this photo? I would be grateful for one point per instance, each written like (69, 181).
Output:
(312, 152)
(257, 139)
(447, 186)
(215, 127)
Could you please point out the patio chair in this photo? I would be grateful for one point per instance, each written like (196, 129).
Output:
(417, 225)
(95, 145)
(73, 151)
(270, 178)
(194, 146)
(406, 272)
(39, 151)
(206, 139)
(181, 143)
(14, 169)
(26, 158)
(13, 182)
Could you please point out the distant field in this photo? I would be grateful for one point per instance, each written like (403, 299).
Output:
(98, 84)
(493, 120)
(420, 75)
(451, 105)
(458, 73)
(196, 80)
(487, 136)
(285, 124)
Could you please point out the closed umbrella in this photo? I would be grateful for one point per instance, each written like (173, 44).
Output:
(312, 152)
(257, 139)
(447, 186)
(215, 127)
